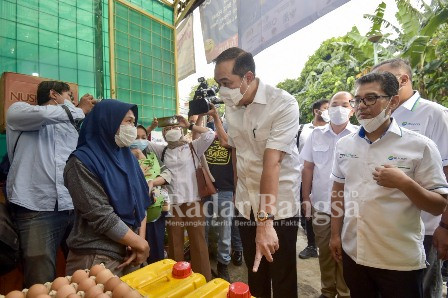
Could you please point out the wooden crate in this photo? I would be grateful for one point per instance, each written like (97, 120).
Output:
(16, 87)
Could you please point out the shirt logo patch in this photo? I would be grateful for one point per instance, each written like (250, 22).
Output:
(391, 157)
(217, 154)
(405, 123)
(348, 155)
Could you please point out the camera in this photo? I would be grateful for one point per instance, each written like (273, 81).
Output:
(203, 97)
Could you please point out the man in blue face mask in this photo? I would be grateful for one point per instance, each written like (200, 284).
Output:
(384, 176)
(262, 127)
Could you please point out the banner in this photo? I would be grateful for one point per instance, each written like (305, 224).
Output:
(219, 26)
(185, 48)
(262, 23)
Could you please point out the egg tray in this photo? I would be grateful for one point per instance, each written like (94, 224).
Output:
(63, 287)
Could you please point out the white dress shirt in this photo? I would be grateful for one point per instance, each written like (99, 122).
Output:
(183, 187)
(270, 121)
(319, 150)
(431, 120)
(382, 227)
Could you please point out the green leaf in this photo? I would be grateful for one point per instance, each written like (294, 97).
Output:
(434, 23)
(377, 20)
(409, 19)
(386, 23)
(432, 66)
(415, 50)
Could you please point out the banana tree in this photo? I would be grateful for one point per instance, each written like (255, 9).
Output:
(417, 39)
(419, 28)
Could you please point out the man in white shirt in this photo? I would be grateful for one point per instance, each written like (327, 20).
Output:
(321, 117)
(383, 177)
(262, 126)
(318, 155)
(431, 120)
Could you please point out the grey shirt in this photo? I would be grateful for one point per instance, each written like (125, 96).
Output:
(97, 227)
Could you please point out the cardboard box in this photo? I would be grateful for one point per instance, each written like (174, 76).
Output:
(16, 87)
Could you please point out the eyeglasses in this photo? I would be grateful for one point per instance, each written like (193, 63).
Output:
(369, 100)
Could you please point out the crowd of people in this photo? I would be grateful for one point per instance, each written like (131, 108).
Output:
(371, 198)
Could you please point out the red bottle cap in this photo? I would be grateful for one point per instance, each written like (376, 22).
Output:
(239, 290)
(181, 270)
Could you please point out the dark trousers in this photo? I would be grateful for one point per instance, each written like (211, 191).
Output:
(155, 235)
(310, 237)
(432, 275)
(307, 225)
(283, 270)
(40, 234)
(236, 238)
(368, 282)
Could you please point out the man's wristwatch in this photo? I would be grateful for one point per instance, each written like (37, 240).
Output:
(263, 216)
(191, 126)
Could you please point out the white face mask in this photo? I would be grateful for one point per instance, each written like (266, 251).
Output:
(232, 97)
(173, 135)
(372, 124)
(325, 116)
(68, 102)
(126, 135)
(339, 115)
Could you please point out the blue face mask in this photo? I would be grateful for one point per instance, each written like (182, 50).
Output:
(139, 144)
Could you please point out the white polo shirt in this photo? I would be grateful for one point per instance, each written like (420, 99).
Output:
(387, 231)
(319, 149)
(431, 120)
(270, 121)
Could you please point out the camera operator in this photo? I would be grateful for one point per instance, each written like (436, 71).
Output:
(219, 160)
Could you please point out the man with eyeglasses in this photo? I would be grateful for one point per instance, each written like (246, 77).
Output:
(384, 175)
(431, 120)
(39, 139)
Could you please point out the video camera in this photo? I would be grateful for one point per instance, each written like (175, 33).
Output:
(203, 97)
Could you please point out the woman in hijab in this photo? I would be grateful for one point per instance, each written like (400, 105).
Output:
(109, 192)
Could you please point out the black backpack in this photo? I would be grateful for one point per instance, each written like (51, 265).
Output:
(9, 242)
(9, 238)
(298, 135)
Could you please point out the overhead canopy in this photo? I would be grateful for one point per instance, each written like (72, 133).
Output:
(252, 25)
